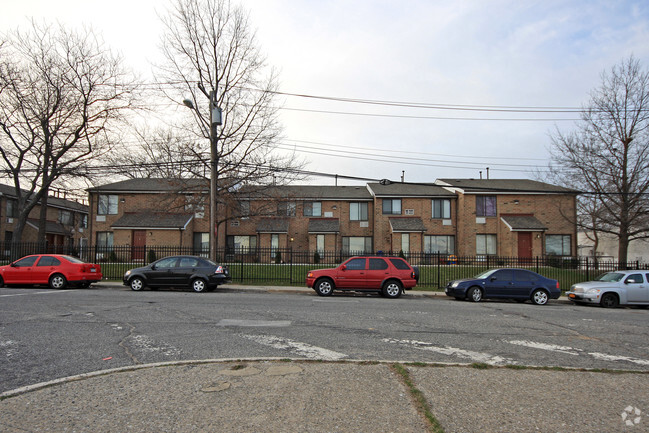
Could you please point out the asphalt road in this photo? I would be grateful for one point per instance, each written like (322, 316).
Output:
(46, 334)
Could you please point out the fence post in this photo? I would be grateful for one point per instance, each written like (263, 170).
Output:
(439, 269)
(241, 271)
(290, 266)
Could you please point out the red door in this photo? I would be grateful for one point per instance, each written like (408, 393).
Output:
(524, 245)
(138, 248)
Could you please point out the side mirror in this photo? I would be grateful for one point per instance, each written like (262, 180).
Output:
(343, 267)
(493, 279)
(13, 265)
(153, 267)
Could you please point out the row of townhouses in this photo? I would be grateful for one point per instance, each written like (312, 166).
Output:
(464, 217)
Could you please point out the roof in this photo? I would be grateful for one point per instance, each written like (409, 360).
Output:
(153, 185)
(503, 186)
(51, 227)
(324, 225)
(273, 225)
(526, 223)
(152, 220)
(410, 224)
(408, 190)
(10, 191)
(311, 192)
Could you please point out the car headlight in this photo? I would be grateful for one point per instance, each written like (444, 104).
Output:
(127, 273)
(593, 291)
(455, 284)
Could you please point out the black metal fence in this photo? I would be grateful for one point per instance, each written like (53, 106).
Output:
(289, 267)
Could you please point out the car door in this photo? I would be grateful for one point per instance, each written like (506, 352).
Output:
(351, 274)
(523, 283)
(45, 267)
(160, 273)
(186, 268)
(499, 284)
(378, 270)
(20, 271)
(637, 289)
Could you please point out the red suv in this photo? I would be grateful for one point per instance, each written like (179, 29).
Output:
(388, 275)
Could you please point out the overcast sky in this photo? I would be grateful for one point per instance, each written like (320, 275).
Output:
(470, 53)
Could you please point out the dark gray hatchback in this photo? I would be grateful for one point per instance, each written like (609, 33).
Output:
(519, 284)
(193, 272)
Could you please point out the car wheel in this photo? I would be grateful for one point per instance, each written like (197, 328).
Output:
(324, 287)
(475, 294)
(540, 297)
(136, 284)
(58, 281)
(2, 282)
(609, 300)
(392, 289)
(199, 285)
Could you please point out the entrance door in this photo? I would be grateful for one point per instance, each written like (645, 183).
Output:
(524, 245)
(138, 247)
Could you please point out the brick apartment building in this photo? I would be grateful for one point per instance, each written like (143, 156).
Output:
(504, 217)
(66, 221)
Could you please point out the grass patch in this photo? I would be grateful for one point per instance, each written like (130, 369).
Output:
(420, 400)
(481, 366)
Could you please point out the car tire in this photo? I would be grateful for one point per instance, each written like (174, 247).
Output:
(609, 300)
(540, 297)
(199, 285)
(474, 294)
(392, 289)
(58, 282)
(2, 282)
(324, 287)
(136, 284)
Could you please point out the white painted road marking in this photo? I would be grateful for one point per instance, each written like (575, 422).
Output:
(37, 293)
(301, 349)
(453, 351)
(575, 351)
(255, 323)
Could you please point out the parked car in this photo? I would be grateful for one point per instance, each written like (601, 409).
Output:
(613, 289)
(387, 275)
(178, 271)
(56, 270)
(508, 283)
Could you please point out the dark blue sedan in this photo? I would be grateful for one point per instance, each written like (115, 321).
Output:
(518, 284)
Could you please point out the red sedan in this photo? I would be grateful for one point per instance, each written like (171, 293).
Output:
(55, 270)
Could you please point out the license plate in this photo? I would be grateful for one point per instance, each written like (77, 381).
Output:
(93, 270)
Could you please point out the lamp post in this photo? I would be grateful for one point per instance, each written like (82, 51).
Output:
(215, 120)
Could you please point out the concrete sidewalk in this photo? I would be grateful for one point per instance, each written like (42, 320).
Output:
(303, 396)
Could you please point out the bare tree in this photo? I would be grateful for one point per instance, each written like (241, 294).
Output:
(607, 156)
(61, 92)
(213, 60)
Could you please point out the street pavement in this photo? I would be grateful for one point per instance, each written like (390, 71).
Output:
(296, 395)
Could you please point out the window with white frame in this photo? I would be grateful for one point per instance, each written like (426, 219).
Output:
(12, 208)
(107, 204)
(391, 206)
(104, 239)
(486, 245)
(405, 242)
(559, 245)
(320, 243)
(358, 211)
(286, 208)
(441, 209)
(357, 244)
(439, 244)
(65, 217)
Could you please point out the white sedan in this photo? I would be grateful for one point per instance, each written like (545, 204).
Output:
(613, 289)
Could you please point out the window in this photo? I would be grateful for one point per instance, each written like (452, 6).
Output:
(286, 208)
(242, 244)
(400, 264)
(378, 264)
(439, 244)
(320, 243)
(201, 243)
(392, 206)
(313, 208)
(356, 264)
(107, 205)
(520, 275)
(634, 279)
(27, 261)
(358, 211)
(485, 245)
(405, 242)
(441, 209)
(558, 245)
(169, 262)
(12, 208)
(105, 239)
(48, 261)
(485, 205)
(274, 243)
(357, 244)
(188, 262)
(83, 221)
(65, 218)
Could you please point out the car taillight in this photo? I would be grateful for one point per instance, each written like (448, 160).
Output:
(557, 285)
(219, 270)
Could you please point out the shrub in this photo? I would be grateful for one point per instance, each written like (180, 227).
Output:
(151, 257)
(316, 258)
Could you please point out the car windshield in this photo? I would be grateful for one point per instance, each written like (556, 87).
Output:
(610, 277)
(485, 274)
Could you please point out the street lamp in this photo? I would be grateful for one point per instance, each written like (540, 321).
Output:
(215, 120)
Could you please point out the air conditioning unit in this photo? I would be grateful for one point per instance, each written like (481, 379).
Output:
(409, 211)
